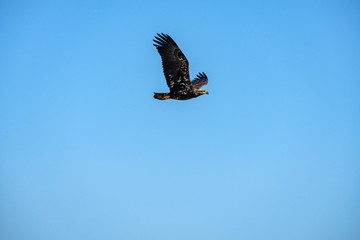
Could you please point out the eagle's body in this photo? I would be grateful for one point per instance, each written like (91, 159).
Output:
(176, 71)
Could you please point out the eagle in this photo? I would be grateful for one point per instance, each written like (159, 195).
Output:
(176, 71)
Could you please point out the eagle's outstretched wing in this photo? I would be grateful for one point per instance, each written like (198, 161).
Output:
(200, 81)
(175, 64)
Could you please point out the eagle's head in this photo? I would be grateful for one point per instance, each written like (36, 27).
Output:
(201, 92)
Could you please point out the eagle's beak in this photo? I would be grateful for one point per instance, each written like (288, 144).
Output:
(206, 92)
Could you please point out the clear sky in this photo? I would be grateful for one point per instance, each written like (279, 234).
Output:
(272, 153)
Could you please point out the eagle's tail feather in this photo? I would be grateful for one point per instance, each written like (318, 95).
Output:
(162, 96)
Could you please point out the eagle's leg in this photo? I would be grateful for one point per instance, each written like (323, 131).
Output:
(162, 96)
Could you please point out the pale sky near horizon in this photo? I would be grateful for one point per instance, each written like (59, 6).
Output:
(271, 153)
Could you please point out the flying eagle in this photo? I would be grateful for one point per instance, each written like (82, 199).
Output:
(176, 71)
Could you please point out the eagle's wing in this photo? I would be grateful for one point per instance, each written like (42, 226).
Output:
(175, 64)
(200, 81)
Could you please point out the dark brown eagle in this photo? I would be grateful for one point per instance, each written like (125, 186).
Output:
(176, 71)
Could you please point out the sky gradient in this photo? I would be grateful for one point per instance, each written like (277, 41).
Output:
(271, 153)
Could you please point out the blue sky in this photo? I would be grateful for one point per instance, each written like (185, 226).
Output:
(272, 153)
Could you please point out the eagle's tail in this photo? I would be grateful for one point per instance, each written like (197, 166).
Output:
(162, 96)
